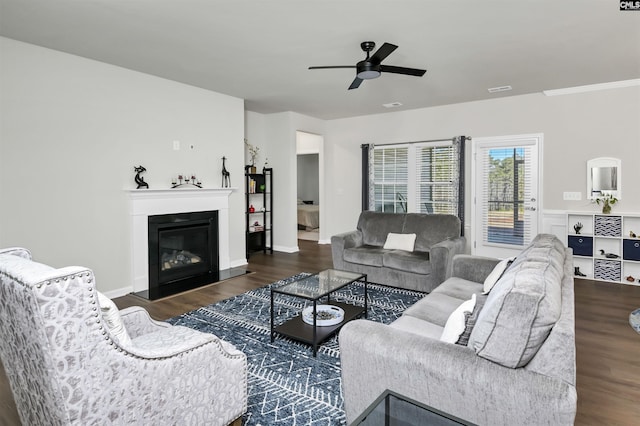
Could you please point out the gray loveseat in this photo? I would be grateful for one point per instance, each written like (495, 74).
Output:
(518, 367)
(437, 241)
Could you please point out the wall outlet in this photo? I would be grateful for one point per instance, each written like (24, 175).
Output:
(176, 145)
(573, 196)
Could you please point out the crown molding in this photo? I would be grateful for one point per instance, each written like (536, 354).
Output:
(593, 87)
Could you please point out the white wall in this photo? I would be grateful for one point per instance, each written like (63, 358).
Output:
(576, 127)
(276, 133)
(71, 132)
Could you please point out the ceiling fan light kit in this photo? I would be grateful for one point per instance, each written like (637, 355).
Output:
(371, 67)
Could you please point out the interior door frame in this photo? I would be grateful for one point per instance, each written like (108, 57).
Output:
(476, 221)
(313, 143)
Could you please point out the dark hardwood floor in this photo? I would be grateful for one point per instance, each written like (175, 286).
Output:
(608, 349)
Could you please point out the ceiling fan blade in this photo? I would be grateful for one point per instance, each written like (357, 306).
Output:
(356, 83)
(332, 66)
(384, 51)
(402, 70)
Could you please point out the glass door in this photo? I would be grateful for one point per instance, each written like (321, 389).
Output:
(506, 193)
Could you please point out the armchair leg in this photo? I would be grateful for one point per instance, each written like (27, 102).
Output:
(237, 422)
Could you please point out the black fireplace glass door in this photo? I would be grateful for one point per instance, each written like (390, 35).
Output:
(183, 252)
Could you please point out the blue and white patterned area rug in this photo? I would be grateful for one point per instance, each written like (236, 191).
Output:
(287, 385)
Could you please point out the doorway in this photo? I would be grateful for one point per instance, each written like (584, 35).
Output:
(309, 185)
(506, 192)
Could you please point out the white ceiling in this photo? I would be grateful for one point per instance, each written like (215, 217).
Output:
(260, 50)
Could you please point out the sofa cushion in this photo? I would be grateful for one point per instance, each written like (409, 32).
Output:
(375, 226)
(415, 262)
(434, 308)
(458, 288)
(417, 326)
(364, 255)
(400, 242)
(456, 322)
(523, 306)
(431, 229)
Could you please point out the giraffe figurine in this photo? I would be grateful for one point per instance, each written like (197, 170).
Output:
(226, 176)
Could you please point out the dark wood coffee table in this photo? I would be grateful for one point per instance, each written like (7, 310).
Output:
(314, 288)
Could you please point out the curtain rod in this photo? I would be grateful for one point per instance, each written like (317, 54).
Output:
(410, 143)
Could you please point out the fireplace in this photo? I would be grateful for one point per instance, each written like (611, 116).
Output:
(183, 252)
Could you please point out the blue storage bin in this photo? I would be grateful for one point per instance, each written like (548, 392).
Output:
(631, 249)
(582, 246)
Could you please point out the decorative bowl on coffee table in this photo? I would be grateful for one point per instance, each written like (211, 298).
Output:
(326, 315)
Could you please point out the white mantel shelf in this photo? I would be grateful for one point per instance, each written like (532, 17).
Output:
(178, 192)
(150, 202)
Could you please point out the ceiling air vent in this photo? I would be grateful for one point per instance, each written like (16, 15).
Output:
(392, 105)
(499, 89)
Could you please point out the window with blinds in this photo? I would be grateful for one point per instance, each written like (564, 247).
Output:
(421, 177)
(506, 173)
(390, 170)
(437, 179)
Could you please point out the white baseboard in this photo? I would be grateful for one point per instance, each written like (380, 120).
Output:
(119, 292)
(237, 263)
(285, 249)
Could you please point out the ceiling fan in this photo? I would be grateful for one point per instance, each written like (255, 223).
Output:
(372, 67)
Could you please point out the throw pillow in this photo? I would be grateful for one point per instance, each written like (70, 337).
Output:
(456, 323)
(470, 320)
(497, 273)
(113, 321)
(400, 241)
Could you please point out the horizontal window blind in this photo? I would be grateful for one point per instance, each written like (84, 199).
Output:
(506, 171)
(390, 173)
(437, 179)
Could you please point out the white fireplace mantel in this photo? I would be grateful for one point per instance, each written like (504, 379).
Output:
(150, 202)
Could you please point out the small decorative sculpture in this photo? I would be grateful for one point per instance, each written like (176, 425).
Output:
(609, 255)
(577, 227)
(139, 179)
(226, 176)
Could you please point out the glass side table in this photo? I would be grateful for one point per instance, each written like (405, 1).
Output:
(393, 409)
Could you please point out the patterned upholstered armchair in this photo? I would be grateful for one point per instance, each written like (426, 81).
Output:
(69, 362)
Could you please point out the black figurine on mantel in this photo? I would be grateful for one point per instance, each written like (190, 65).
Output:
(226, 176)
(139, 179)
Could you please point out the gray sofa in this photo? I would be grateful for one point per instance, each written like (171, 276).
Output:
(518, 367)
(437, 241)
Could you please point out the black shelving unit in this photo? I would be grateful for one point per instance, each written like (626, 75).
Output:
(259, 197)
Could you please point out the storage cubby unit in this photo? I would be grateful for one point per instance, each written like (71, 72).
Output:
(605, 247)
(258, 211)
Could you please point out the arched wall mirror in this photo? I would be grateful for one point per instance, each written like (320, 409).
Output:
(604, 176)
